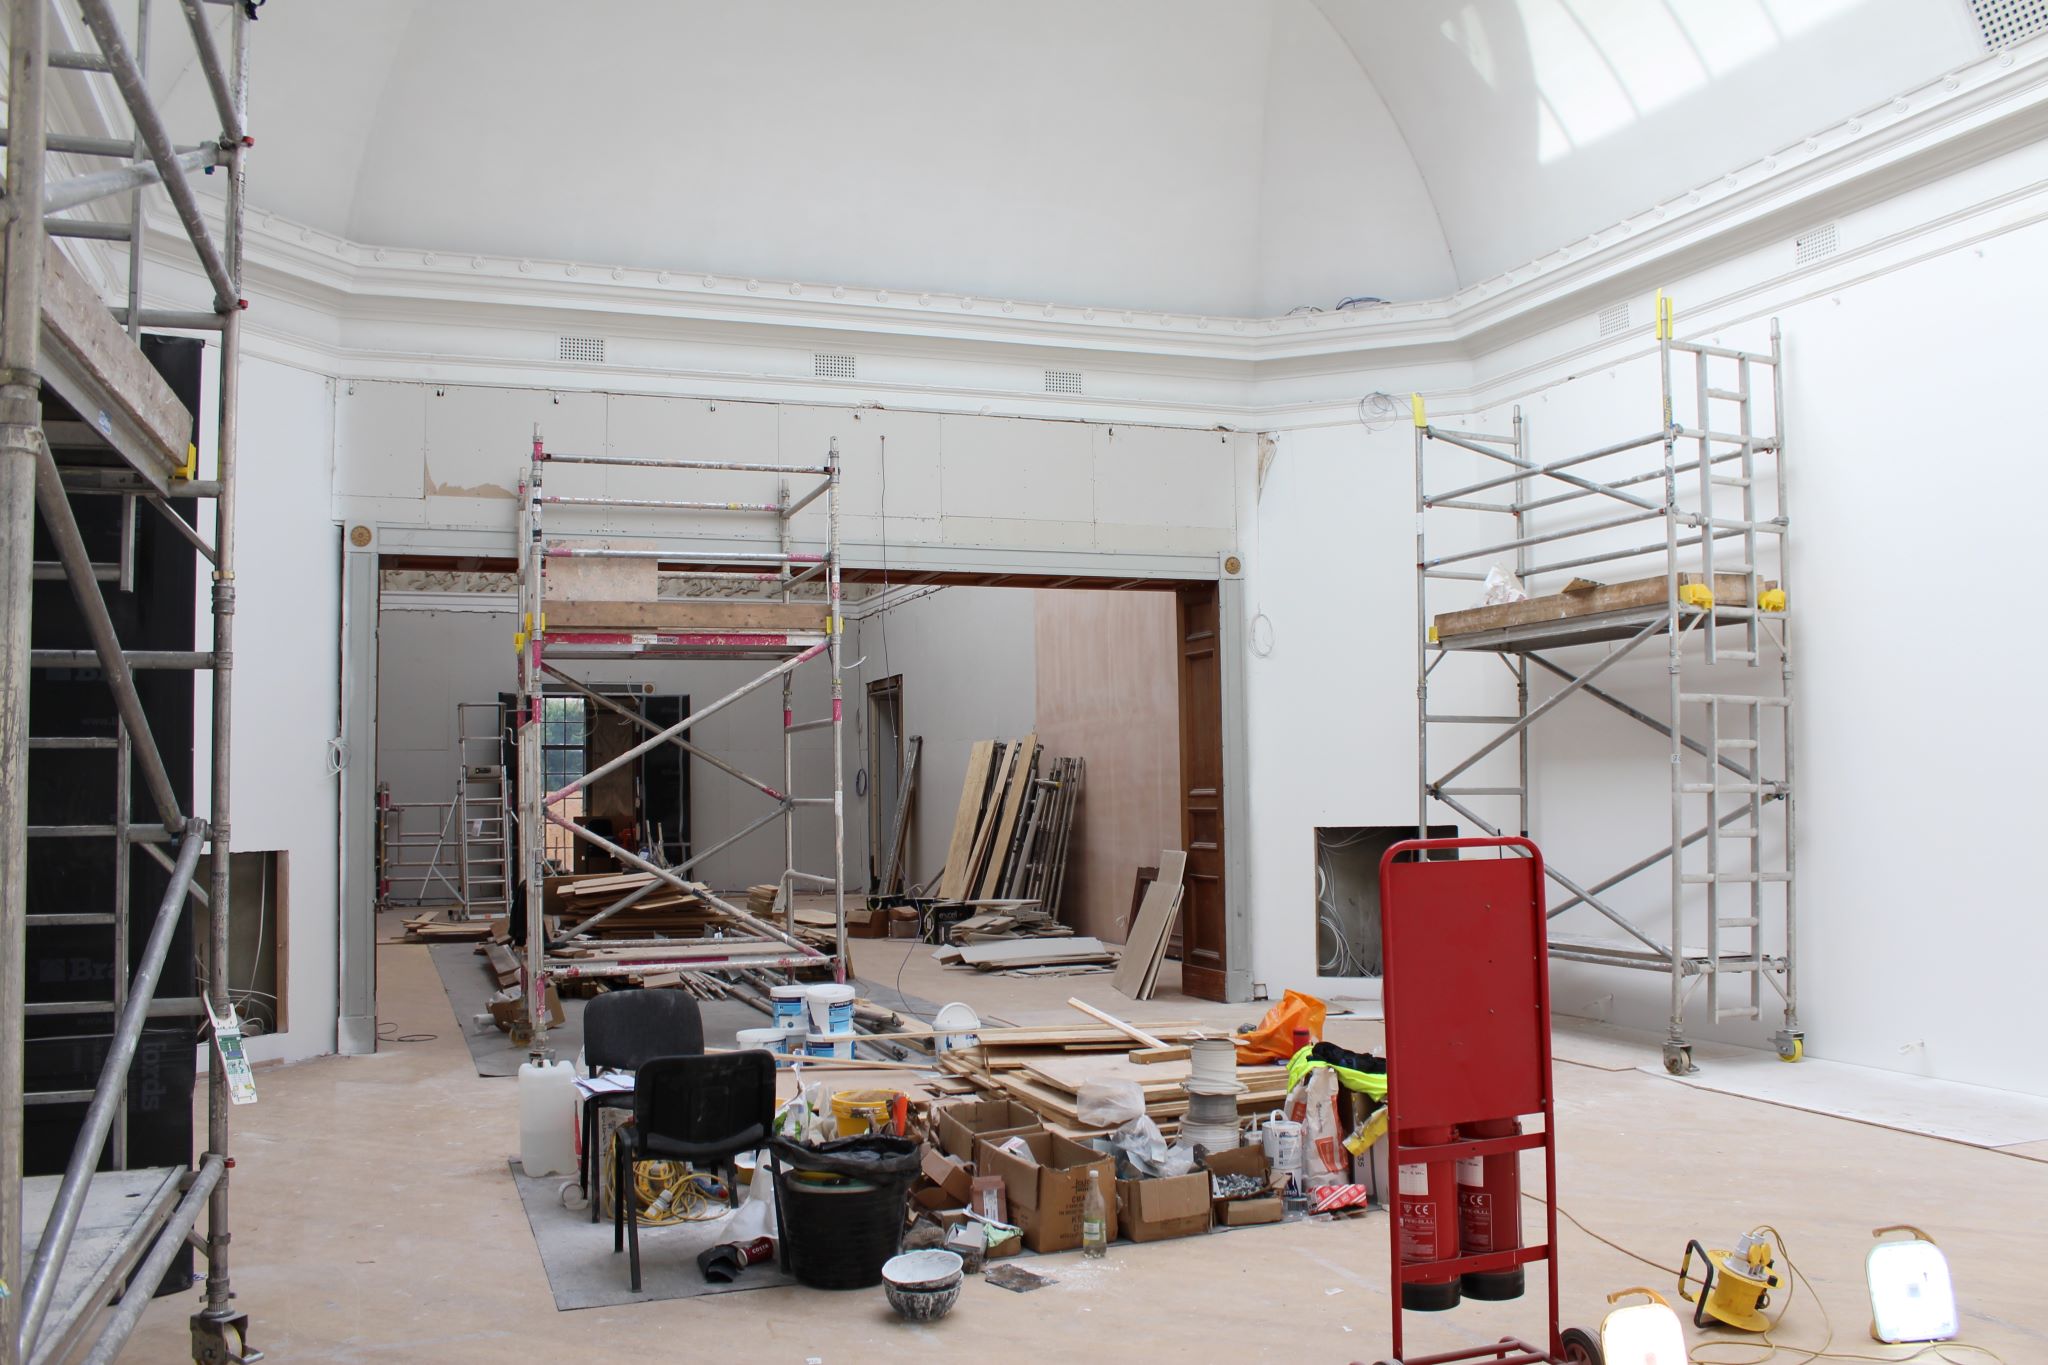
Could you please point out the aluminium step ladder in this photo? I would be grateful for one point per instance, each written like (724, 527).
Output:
(483, 853)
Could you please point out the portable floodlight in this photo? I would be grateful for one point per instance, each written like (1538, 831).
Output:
(1911, 1295)
(1642, 1333)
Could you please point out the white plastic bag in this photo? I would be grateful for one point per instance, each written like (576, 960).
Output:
(1109, 1104)
(1501, 587)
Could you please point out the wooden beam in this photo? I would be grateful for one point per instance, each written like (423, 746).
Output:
(674, 616)
(90, 361)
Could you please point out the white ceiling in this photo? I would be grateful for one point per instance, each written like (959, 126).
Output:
(1199, 156)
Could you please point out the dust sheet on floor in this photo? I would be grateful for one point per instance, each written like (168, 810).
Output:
(583, 1271)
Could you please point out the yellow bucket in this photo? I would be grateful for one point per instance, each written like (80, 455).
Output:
(864, 1111)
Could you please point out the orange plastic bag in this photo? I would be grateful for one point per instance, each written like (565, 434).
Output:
(1273, 1039)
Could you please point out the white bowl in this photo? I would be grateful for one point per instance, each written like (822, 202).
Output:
(932, 1269)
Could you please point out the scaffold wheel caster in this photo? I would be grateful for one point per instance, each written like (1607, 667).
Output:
(1581, 1347)
(1791, 1047)
(1678, 1059)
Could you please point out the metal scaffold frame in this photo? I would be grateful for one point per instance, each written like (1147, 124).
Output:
(1720, 482)
(56, 332)
(769, 636)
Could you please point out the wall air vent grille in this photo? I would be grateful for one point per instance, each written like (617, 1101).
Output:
(2006, 22)
(832, 366)
(1062, 381)
(582, 348)
(1614, 320)
(1818, 242)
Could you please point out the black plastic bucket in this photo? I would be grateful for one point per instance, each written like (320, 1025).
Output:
(841, 1207)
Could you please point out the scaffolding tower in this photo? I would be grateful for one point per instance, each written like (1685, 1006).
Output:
(1726, 635)
(767, 622)
(79, 1287)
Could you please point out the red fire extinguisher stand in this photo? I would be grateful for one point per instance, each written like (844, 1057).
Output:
(1466, 970)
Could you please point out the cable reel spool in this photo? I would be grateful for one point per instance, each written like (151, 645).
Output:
(1735, 1285)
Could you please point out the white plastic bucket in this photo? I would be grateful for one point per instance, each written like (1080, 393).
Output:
(1282, 1139)
(830, 1045)
(831, 1007)
(765, 1039)
(789, 1005)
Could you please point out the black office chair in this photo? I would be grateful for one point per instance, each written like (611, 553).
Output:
(702, 1110)
(623, 1031)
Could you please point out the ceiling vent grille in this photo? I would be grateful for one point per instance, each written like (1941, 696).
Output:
(832, 366)
(2006, 22)
(1614, 320)
(1062, 381)
(1819, 242)
(582, 348)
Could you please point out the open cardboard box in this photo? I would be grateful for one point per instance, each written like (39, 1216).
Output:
(1009, 1246)
(960, 1124)
(1046, 1193)
(1165, 1206)
(1237, 1213)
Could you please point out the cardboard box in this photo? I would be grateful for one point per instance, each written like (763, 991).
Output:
(950, 1178)
(961, 1123)
(1168, 1206)
(1237, 1213)
(954, 1218)
(505, 1013)
(1047, 1194)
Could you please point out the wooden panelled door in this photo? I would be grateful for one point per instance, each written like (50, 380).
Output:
(1203, 944)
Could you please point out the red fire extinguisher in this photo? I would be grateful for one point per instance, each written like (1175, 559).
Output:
(1490, 1210)
(1426, 1205)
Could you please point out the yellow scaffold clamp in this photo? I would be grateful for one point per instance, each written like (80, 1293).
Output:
(1432, 635)
(526, 631)
(1421, 414)
(1666, 314)
(190, 469)
(1696, 595)
(1771, 599)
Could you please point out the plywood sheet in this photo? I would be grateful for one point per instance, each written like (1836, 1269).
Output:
(953, 885)
(1013, 800)
(1107, 690)
(984, 829)
(1155, 924)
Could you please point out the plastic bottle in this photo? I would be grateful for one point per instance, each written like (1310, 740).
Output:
(1094, 1220)
(547, 1118)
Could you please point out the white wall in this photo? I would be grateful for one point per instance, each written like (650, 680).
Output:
(1328, 554)
(967, 659)
(287, 688)
(1910, 473)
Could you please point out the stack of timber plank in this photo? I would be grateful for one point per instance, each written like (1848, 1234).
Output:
(430, 927)
(1145, 947)
(1012, 826)
(1060, 955)
(1045, 1067)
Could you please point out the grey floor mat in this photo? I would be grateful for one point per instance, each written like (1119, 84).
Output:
(584, 1271)
(469, 985)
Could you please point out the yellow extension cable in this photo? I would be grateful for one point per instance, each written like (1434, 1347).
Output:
(1775, 1350)
(669, 1192)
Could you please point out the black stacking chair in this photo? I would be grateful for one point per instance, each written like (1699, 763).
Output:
(703, 1110)
(623, 1031)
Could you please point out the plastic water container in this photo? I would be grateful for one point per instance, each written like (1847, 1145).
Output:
(766, 1039)
(830, 1045)
(789, 1006)
(547, 1118)
(831, 1007)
